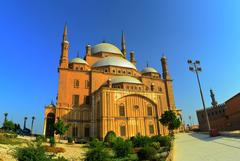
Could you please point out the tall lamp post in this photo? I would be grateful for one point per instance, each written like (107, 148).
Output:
(195, 67)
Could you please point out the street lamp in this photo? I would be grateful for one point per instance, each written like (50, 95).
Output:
(195, 67)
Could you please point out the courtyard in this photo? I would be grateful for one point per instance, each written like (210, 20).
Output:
(200, 147)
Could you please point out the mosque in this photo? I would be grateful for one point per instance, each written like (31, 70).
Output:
(105, 91)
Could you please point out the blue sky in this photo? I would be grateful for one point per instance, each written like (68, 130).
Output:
(31, 32)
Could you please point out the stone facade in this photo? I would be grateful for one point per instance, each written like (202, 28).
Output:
(224, 117)
(104, 91)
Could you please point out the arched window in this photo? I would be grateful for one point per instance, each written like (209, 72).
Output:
(149, 110)
(121, 110)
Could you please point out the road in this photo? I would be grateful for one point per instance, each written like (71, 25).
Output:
(200, 147)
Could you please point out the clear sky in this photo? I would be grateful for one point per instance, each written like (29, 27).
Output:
(31, 33)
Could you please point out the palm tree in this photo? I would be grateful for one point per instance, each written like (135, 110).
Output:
(25, 119)
(33, 118)
(5, 115)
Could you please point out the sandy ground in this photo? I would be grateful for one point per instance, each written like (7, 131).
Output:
(74, 152)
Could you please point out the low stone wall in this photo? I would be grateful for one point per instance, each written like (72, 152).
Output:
(235, 133)
(171, 154)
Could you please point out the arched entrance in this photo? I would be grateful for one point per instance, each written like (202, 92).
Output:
(50, 125)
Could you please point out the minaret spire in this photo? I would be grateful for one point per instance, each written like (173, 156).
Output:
(214, 102)
(65, 33)
(123, 45)
(64, 53)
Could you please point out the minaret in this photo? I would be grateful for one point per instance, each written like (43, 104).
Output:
(64, 54)
(214, 102)
(123, 45)
(165, 68)
(168, 84)
(132, 58)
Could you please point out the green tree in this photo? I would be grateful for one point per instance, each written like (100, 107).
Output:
(8, 125)
(60, 128)
(170, 120)
(110, 137)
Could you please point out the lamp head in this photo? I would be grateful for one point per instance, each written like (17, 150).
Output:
(191, 69)
(197, 62)
(189, 61)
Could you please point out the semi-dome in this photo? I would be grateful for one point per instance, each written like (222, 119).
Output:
(114, 61)
(149, 70)
(106, 47)
(78, 60)
(125, 79)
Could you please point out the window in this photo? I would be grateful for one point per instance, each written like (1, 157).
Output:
(76, 83)
(152, 87)
(113, 71)
(105, 70)
(75, 132)
(75, 100)
(129, 73)
(86, 83)
(123, 130)
(121, 110)
(149, 110)
(119, 71)
(81, 68)
(160, 89)
(151, 129)
(87, 100)
(87, 131)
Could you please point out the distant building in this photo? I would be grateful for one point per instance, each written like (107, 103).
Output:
(224, 117)
(104, 91)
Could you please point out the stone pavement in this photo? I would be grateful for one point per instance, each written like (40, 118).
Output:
(200, 147)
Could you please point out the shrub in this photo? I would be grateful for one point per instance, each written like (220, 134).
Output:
(70, 139)
(97, 154)
(52, 141)
(165, 141)
(122, 148)
(147, 153)
(141, 141)
(155, 145)
(34, 152)
(41, 138)
(10, 135)
(8, 125)
(110, 137)
(81, 141)
(95, 143)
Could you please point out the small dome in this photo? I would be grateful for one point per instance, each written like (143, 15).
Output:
(78, 60)
(125, 79)
(106, 47)
(114, 61)
(51, 105)
(149, 70)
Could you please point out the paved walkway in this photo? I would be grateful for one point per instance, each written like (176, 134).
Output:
(200, 147)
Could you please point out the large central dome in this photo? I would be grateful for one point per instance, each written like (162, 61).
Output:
(105, 47)
(114, 61)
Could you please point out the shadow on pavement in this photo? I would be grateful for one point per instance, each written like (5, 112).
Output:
(204, 137)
